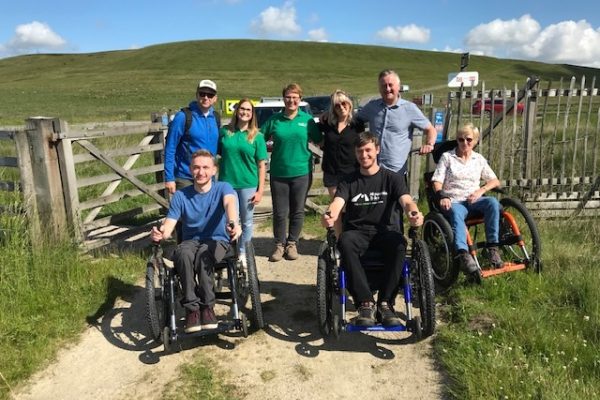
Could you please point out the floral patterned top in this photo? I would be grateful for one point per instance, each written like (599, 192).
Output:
(460, 178)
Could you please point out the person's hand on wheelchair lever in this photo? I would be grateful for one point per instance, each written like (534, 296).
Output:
(156, 235)
(327, 220)
(415, 218)
(234, 230)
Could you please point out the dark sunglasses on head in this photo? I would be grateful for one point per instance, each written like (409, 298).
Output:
(462, 139)
(206, 94)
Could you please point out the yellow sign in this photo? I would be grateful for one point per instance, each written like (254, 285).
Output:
(230, 106)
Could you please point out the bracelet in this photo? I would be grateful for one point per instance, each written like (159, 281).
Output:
(442, 195)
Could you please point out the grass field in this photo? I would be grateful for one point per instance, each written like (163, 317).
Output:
(130, 84)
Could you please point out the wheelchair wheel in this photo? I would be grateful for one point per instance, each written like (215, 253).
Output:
(244, 325)
(415, 328)
(156, 302)
(322, 293)
(166, 339)
(242, 283)
(423, 283)
(328, 307)
(530, 253)
(254, 286)
(438, 236)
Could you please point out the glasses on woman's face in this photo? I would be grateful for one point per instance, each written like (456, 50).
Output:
(462, 139)
(342, 104)
(245, 109)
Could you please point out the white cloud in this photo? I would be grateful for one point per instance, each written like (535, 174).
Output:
(409, 33)
(565, 42)
(317, 35)
(277, 22)
(34, 36)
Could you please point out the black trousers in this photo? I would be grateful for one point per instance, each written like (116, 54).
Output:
(353, 244)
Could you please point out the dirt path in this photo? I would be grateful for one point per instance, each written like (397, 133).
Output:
(115, 359)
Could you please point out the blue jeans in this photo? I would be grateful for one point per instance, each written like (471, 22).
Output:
(246, 215)
(488, 206)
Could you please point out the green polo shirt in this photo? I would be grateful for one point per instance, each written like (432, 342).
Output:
(291, 157)
(239, 158)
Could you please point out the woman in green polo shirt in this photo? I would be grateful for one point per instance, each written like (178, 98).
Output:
(290, 170)
(243, 154)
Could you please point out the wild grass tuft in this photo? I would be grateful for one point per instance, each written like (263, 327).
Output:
(47, 293)
(522, 335)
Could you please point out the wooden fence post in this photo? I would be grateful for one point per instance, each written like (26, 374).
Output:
(26, 181)
(414, 169)
(49, 198)
(64, 148)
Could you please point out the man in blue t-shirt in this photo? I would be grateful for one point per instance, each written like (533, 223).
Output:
(393, 120)
(370, 198)
(209, 216)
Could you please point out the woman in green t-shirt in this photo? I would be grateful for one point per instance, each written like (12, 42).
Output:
(243, 154)
(290, 170)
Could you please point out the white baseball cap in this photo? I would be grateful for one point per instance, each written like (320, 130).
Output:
(207, 84)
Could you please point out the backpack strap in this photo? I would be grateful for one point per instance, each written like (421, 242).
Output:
(188, 125)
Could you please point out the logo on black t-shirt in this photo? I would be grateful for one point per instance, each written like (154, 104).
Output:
(368, 199)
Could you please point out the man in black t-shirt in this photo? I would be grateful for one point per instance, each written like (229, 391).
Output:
(370, 197)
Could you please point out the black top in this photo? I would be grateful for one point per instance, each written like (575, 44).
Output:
(338, 148)
(372, 200)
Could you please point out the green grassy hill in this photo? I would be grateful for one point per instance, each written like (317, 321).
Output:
(129, 84)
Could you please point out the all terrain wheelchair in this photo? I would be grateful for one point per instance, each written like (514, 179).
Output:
(163, 290)
(417, 280)
(519, 240)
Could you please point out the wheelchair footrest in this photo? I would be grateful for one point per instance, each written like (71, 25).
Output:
(375, 328)
(507, 267)
(224, 326)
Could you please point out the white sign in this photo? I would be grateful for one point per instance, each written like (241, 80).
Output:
(466, 78)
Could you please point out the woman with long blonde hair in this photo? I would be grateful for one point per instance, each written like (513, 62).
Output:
(243, 163)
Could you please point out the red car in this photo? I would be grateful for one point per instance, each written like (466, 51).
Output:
(498, 106)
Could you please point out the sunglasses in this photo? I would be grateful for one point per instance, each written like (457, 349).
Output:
(206, 94)
(462, 139)
(342, 104)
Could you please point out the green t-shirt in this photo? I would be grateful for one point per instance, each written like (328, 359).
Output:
(291, 156)
(239, 158)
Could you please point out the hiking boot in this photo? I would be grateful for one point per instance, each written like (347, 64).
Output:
(208, 318)
(494, 257)
(468, 263)
(192, 321)
(386, 315)
(278, 253)
(366, 314)
(291, 251)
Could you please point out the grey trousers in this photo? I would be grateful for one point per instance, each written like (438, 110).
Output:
(194, 261)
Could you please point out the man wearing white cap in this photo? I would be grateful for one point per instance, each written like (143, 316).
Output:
(193, 128)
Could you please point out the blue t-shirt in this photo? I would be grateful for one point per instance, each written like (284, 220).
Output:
(394, 126)
(202, 214)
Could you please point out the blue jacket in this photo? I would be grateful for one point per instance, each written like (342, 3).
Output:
(203, 134)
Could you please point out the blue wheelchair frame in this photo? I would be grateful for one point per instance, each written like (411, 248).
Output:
(332, 291)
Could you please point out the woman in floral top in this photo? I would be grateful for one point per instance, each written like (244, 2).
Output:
(457, 181)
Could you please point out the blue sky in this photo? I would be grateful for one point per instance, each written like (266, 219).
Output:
(545, 30)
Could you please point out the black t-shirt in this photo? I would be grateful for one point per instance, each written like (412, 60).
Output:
(338, 148)
(371, 200)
